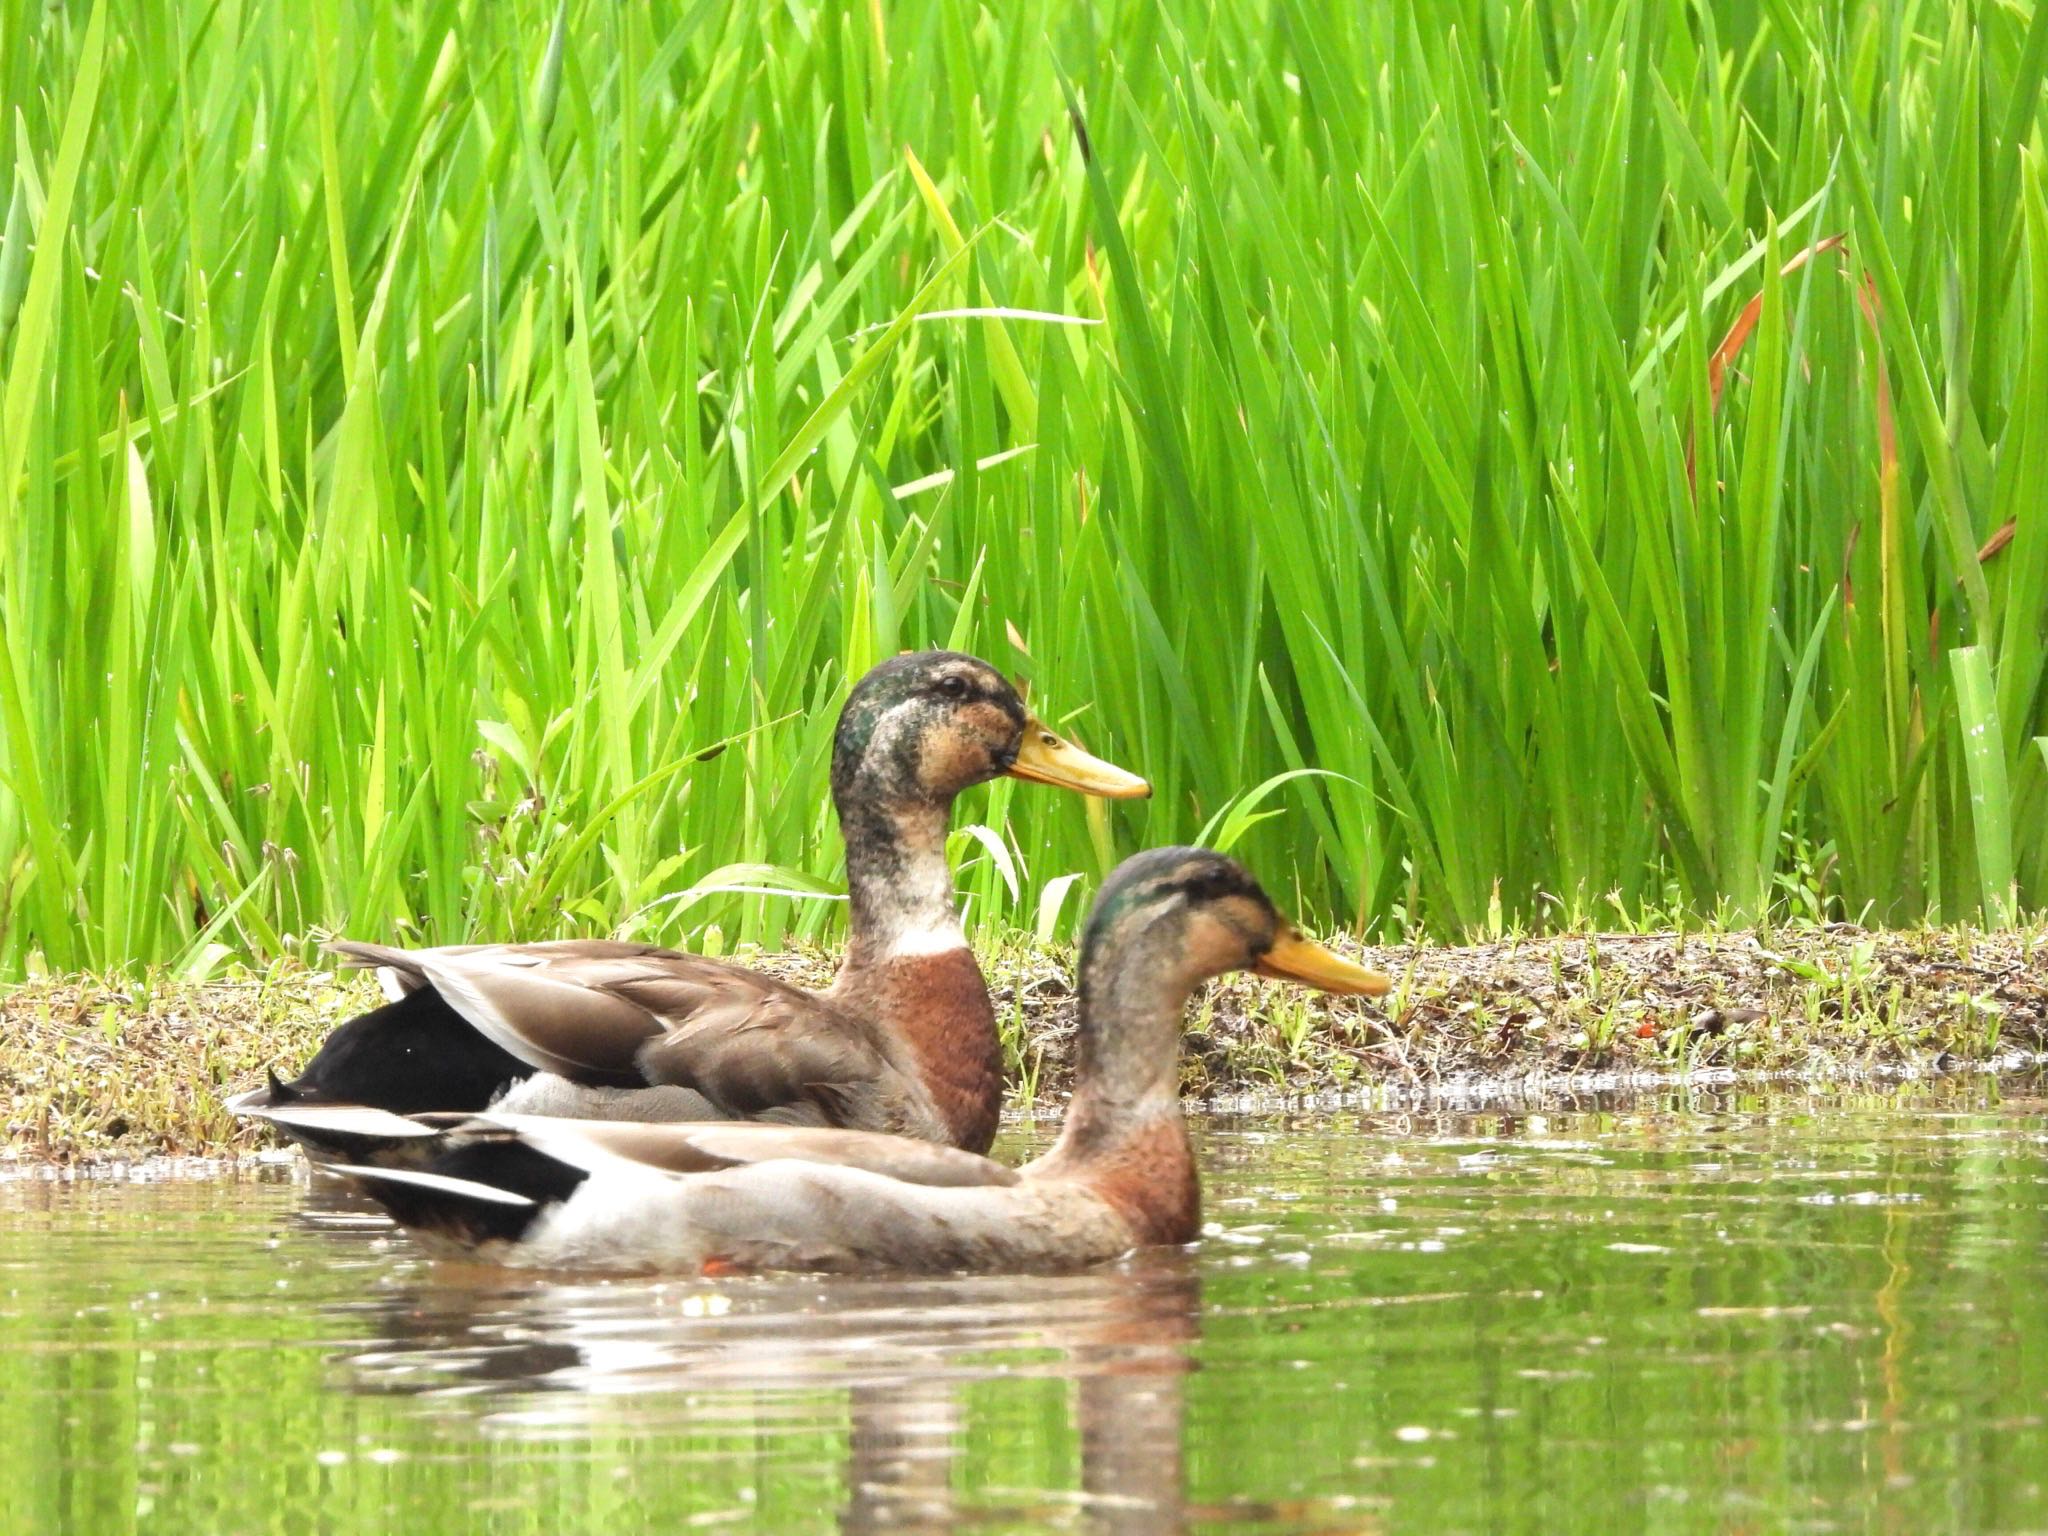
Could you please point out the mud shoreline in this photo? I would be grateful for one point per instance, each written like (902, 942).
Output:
(96, 1070)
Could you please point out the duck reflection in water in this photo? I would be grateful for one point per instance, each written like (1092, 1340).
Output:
(1126, 1351)
(891, 1360)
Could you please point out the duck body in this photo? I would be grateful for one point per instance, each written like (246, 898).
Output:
(543, 1196)
(903, 1042)
(584, 1027)
(588, 1195)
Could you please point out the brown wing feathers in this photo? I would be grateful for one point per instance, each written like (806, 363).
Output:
(753, 1054)
(614, 1014)
(558, 1022)
(711, 1145)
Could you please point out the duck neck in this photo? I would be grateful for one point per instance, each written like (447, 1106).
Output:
(908, 966)
(898, 884)
(1124, 1136)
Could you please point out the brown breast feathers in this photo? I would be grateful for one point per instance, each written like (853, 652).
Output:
(1146, 1172)
(938, 1006)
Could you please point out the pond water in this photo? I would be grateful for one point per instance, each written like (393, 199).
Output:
(1741, 1312)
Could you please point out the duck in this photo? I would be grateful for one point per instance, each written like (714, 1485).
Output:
(903, 1041)
(713, 1199)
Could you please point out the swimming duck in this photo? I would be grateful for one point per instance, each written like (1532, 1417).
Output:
(903, 1041)
(527, 1190)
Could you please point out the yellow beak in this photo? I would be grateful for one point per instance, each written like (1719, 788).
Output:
(1293, 958)
(1045, 758)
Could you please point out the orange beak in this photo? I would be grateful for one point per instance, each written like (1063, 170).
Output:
(1046, 758)
(1293, 958)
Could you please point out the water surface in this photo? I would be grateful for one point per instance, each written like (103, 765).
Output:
(1731, 1313)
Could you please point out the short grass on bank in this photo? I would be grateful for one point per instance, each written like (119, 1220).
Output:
(94, 1069)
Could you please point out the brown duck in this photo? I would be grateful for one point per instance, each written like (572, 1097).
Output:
(903, 1041)
(603, 1195)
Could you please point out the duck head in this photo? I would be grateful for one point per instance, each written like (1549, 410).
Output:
(923, 726)
(1165, 922)
(916, 731)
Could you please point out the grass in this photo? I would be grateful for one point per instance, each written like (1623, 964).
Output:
(95, 1069)
(452, 456)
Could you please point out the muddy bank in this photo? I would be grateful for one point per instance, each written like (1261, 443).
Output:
(95, 1068)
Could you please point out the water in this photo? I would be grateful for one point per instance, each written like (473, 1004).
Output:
(1741, 1313)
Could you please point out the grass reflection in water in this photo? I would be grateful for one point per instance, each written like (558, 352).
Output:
(1714, 1313)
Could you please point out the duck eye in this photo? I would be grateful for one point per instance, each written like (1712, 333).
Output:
(953, 687)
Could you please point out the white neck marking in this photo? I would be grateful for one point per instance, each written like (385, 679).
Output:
(941, 936)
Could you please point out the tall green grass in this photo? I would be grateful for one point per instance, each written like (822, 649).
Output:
(453, 455)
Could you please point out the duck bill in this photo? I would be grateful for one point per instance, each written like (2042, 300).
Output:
(1293, 958)
(1048, 758)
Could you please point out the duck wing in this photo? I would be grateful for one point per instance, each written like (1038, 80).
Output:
(755, 1046)
(612, 1014)
(404, 971)
(547, 1004)
(709, 1146)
